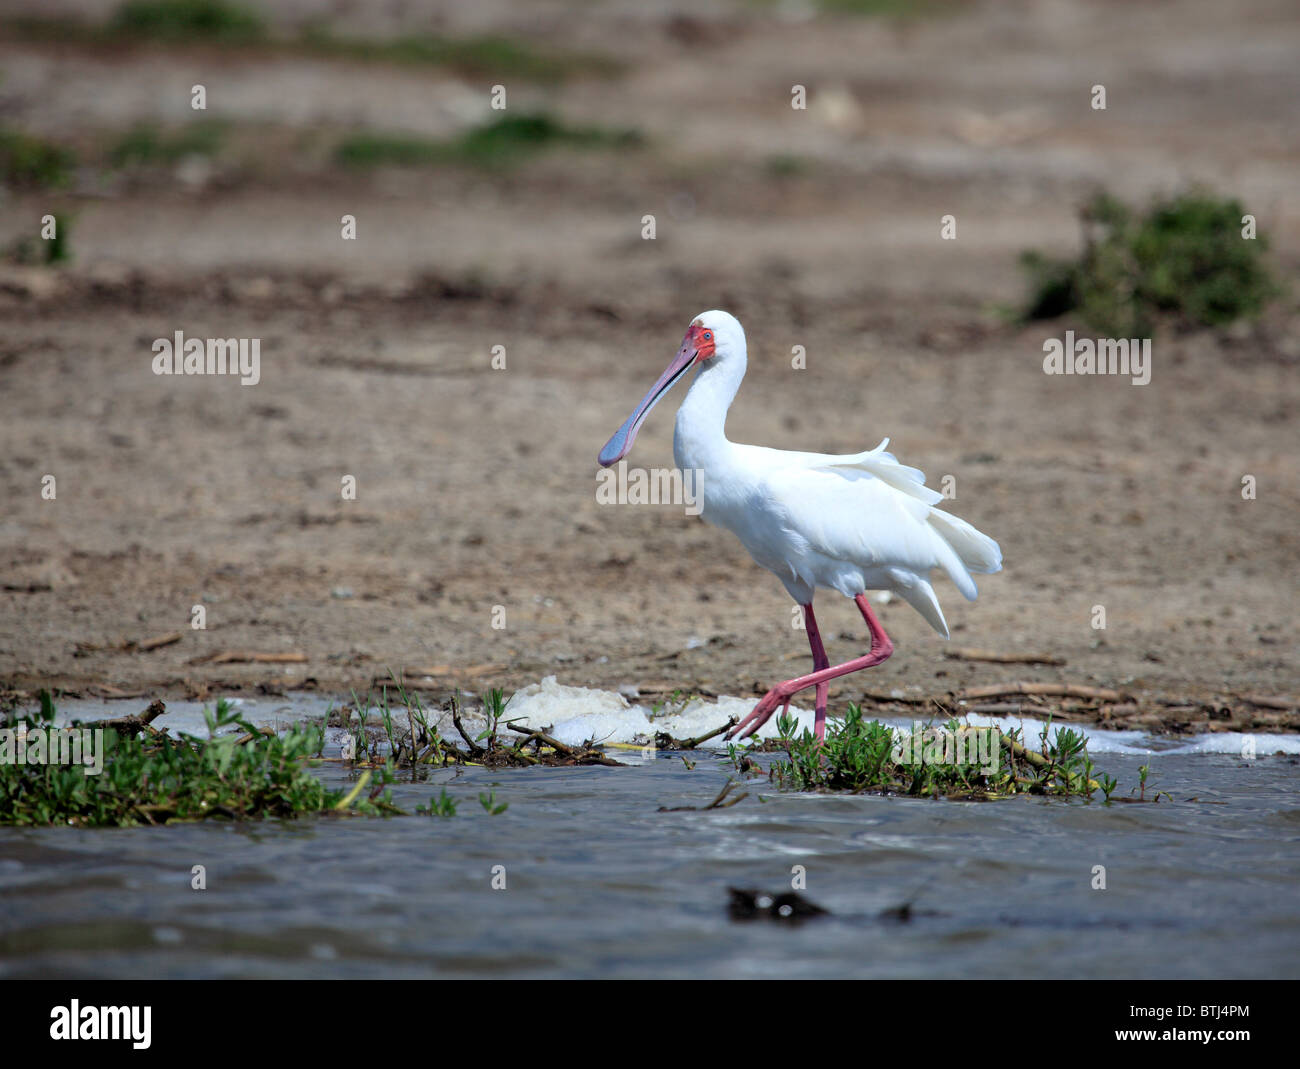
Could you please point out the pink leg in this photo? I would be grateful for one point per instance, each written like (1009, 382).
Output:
(779, 696)
(820, 661)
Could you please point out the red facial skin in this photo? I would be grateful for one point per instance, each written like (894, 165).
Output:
(702, 339)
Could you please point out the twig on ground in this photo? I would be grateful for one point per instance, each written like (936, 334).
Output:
(961, 653)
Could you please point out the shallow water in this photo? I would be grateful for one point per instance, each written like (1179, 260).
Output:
(600, 883)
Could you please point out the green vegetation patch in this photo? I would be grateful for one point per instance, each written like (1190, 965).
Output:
(501, 142)
(220, 23)
(187, 20)
(149, 777)
(954, 761)
(1184, 259)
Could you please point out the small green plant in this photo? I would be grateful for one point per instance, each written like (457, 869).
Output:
(1185, 259)
(489, 802)
(494, 709)
(442, 806)
(1068, 764)
(1141, 789)
(28, 162)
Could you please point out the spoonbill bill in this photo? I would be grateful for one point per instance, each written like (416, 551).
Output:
(851, 523)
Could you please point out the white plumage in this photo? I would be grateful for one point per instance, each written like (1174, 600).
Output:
(848, 523)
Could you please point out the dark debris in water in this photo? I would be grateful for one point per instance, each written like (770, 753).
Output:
(788, 907)
(722, 801)
(906, 913)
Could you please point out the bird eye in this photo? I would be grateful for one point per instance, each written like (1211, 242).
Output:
(708, 335)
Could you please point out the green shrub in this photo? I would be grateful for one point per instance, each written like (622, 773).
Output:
(1184, 260)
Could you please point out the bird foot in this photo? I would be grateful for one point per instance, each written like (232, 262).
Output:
(774, 699)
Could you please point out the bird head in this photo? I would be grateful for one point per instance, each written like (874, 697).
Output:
(711, 338)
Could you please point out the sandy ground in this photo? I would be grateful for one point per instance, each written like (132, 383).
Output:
(476, 486)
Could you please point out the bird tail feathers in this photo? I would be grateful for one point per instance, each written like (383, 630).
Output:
(976, 550)
(919, 594)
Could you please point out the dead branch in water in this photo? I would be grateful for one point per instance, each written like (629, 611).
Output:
(717, 803)
(664, 741)
(129, 725)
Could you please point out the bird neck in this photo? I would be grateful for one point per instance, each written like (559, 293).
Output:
(700, 439)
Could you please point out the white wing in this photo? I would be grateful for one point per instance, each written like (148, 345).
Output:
(864, 521)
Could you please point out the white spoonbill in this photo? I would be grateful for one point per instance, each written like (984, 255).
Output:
(851, 523)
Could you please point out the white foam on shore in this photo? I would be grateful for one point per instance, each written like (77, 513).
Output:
(1105, 740)
(574, 715)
